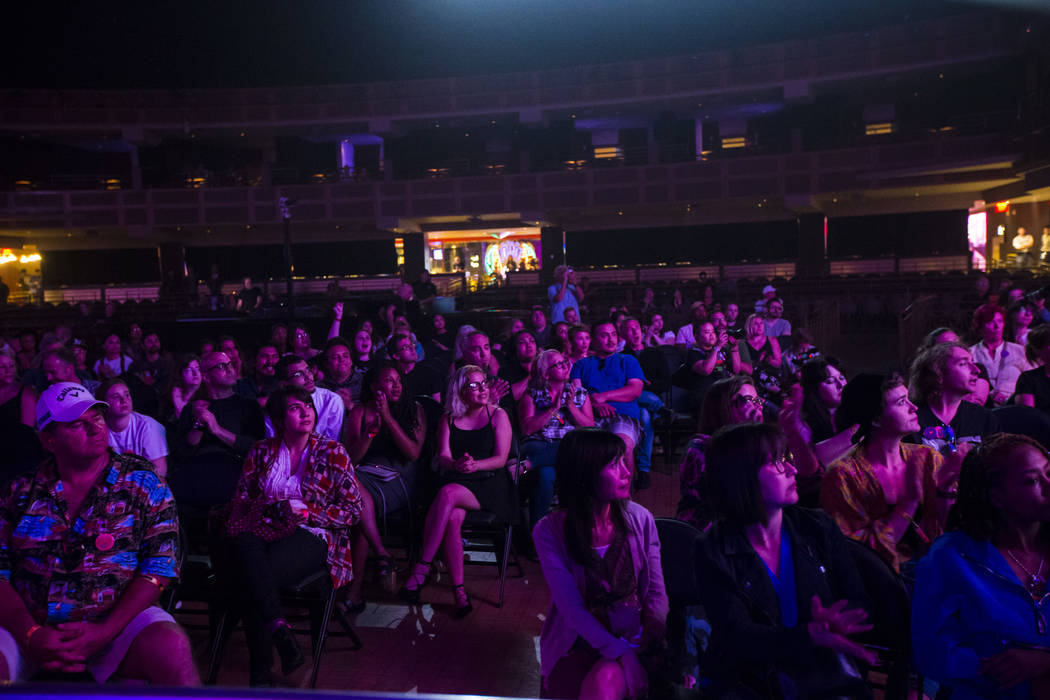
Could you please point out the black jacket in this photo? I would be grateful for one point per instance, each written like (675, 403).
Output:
(749, 645)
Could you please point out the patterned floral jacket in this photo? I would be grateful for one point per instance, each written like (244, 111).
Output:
(330, 490)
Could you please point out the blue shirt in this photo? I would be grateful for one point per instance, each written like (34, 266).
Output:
(567, 302)
(600, 375)
(784, 585)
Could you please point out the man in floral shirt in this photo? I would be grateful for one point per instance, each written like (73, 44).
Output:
(87, 544)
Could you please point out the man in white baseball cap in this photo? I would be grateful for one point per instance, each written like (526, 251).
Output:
(107, 526)
(768, 293)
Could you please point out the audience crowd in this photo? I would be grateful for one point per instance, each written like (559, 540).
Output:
(813, 493)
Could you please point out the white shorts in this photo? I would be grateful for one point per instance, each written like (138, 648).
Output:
(101, 666)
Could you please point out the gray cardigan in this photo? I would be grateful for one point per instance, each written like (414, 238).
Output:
(568, 617)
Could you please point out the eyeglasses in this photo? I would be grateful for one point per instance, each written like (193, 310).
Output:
(474, 386)
(298, 373)
(564, 364)
(224, 366)
(781, 464)
(745, 400)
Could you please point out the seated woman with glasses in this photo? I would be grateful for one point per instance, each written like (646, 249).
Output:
(777, 581)
(732, 401)
(474, 439)
(980, 607)
(294, 513)
(600, 556)
(551, 408)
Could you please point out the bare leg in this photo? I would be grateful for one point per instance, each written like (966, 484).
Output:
(450, 498)
(368, 524)
(161, 655)
(454, 545)
(604, 681)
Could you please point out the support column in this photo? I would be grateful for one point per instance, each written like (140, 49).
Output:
(415, 255)
(552, 252)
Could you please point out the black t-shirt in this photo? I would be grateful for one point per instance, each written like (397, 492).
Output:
(654, 367)
(970, 424)
(1036, 383)
(249, 297)
(424, 380)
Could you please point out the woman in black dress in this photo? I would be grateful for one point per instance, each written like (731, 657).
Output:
(474, 441)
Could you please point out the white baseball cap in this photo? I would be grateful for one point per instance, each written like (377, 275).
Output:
(64, 402)
(768, 289)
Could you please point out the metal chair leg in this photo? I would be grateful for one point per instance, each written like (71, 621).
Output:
(503, 564)
(321, 636)
(218, 642)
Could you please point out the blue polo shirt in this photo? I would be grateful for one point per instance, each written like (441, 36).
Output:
(599, 375)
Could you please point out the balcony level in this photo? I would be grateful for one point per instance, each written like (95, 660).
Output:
(792, 68)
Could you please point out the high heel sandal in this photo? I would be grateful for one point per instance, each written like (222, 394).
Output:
(418, 576)
(463, 604)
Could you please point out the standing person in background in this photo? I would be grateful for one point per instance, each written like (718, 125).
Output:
(564, 293)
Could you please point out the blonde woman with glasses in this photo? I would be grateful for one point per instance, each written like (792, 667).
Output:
(474, 439)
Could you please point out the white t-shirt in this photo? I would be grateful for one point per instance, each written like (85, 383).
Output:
(117, 366)
(143, 436)
(685, 336)
(330, 413)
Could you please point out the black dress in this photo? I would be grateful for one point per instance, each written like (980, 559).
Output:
(493, 488)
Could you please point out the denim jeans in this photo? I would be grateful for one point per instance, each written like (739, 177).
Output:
(649, 403)
(541, 454)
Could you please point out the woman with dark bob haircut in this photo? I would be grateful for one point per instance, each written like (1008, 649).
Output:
(600, 555)
(980, 607)
(778, 582)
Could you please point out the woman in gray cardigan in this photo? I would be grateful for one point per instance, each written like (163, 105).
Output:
(600, 555)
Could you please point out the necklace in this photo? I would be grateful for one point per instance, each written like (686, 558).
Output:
(1035, 580)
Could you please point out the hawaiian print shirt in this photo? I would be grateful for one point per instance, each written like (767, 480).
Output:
(76, 566)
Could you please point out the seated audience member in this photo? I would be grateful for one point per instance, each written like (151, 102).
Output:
(822, 385)
(363, 346)
(677, 313)
(1019, 318)
(714, 357)
(777, 581)
(769, 292)
(17, 400)
(655, 335)
(657, 382)
(648, 304)
(228, 344)
(185, 383)
(521, 356)
(262, 380)
(292, 370)
(154, 367)
(579, 343)
(688, 334)
(572, 317)
(339, 376)
(803, 349)
(441, 338)
(560, 338)
(26, 350)
(59, 365)
(564, 294)
(776, 325)
(131, 432)
(541, 330)
(511, 328)
(473, 443)
(732, 312)
(600, 556)
(299, 342)
(213, 435)
(614, 381)
(387, 429)
(947, 335)
(78, 346)
(74, 600)
(420, 379)
(976, 591)
(760, 357)
(293, 514)
(551, 408)
(941, 379)
(1033, 386)
(1003, 360)
(478, 352)
(893, 496)
(113, 362)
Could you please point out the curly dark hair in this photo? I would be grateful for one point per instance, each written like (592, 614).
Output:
(982, 471)
(405, 410)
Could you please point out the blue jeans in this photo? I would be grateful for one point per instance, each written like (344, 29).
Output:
(650, 403)
(541, 455)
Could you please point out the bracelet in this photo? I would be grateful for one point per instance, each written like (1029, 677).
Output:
(154, 580)
(29, 634)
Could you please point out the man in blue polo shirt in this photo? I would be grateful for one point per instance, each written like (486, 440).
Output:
(615, 382)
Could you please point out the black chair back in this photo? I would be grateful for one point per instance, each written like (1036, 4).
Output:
(676, 559)
(1024, 420)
